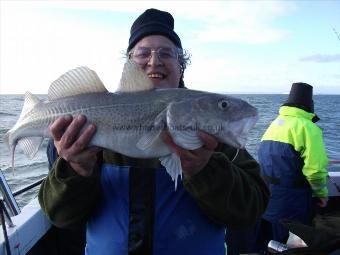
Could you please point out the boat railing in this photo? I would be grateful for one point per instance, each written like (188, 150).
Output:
(9, 206)
(8, 196)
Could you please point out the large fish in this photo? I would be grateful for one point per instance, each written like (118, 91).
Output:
(131, 120)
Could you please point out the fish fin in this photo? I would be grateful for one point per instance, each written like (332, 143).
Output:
(30, 145)
(150, 137)
(81, 80)
(29, 103)
(134, 79)
(189, 140)
(173, 166)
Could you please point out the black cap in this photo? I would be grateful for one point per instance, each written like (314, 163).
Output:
(153, 22)
(301, 96)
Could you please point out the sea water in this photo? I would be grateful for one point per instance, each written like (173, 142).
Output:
(28, 171)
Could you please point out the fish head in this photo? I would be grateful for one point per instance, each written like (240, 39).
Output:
(227, 118)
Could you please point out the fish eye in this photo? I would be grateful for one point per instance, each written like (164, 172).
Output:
(223, 104)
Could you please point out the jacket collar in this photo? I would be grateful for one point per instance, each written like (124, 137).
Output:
(296, 112)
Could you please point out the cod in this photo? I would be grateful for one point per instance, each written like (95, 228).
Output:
(131, 120)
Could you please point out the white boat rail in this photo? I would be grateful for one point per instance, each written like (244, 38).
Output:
(8, 196)
(17, 225)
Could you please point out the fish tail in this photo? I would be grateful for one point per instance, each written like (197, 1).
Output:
(30, 145)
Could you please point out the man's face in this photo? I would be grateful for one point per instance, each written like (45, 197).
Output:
(158, 57)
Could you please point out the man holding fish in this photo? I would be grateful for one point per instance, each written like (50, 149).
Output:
(129, 203)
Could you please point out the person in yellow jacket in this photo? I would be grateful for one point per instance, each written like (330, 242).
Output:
(294, 162)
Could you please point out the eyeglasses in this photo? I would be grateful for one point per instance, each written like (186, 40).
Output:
(142, 55)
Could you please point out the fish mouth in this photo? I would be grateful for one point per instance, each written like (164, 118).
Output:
(236, 133)
(249, 124)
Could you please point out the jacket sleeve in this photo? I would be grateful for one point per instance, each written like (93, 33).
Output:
(230, 193)
(66, 197)
(315, 160)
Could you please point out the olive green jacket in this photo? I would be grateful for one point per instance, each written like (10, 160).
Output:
(229, 190)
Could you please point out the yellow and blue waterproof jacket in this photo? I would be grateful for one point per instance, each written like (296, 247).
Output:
(292, 150)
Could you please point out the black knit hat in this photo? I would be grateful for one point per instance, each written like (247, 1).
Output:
(153, 22)
(301, 96)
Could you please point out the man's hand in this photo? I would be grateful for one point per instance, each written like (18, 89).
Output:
(193, 161)
(72, 145)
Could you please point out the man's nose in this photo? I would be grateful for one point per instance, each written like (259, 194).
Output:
(154, 59)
